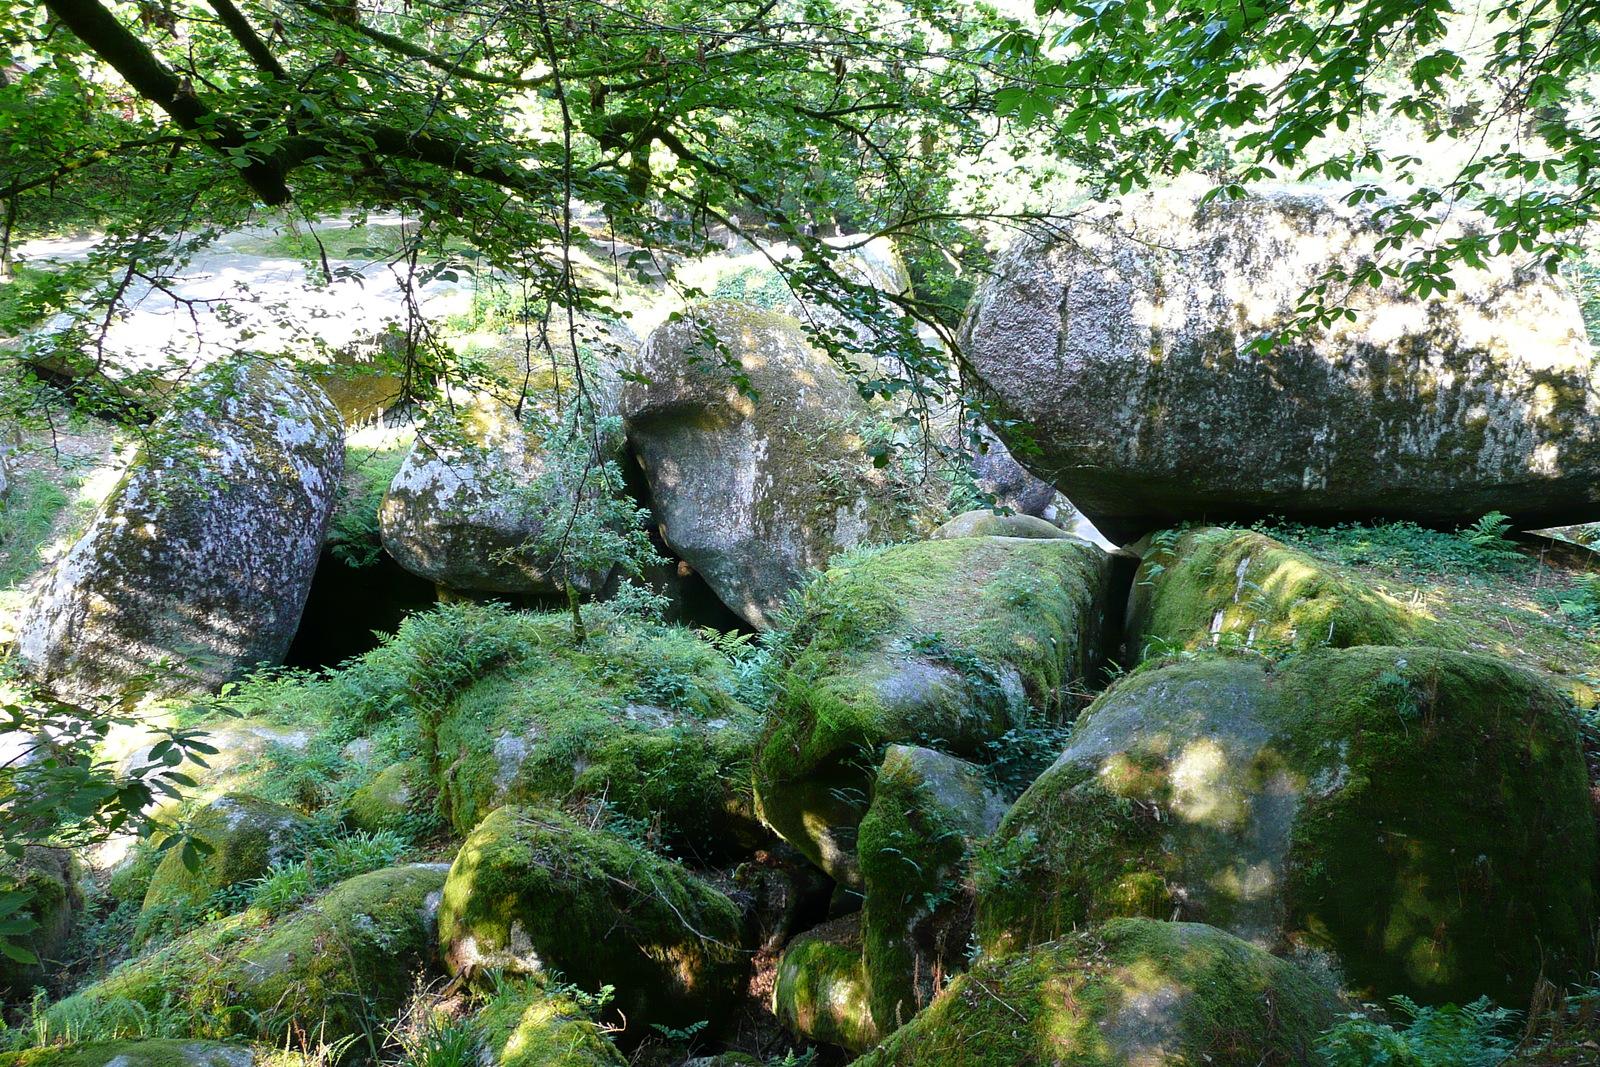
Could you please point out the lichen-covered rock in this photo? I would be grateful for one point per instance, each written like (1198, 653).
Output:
(531, 1025)
(245, 834)
(929, 811)
(1206, 587)
(821, 989)
(755, 491)
(330, 969)
(947, 644)
(641, 717)
(149, 1052)
(533, 889)
(1123, 347)
(1133, 992)
(51, 875)
(199, 562)
(460, 511)
(1422, 814)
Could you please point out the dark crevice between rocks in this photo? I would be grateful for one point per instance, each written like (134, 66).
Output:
(347, 604)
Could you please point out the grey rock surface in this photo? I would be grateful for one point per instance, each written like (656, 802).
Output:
(1124, 345)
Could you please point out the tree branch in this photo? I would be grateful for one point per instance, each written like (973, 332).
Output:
(97, 28)
(248, 39)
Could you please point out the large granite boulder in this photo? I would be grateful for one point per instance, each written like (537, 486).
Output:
(1122, 345)
(1213, 587)
(199, 562)
(756, 448)
(1423, 815)
(1134, 993)
(820, 991)
(949, 644)
(465, 510)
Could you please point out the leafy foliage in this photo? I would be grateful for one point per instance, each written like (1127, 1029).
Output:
(1448, 1036)
(1323, 90)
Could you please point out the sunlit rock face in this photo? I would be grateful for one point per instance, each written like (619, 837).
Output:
(755, 490)
(1421, 815)
(1131, 993)
(1121, 343)
(199, 562)
(465, 510)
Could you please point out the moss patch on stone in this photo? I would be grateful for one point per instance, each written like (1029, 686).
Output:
(947, 644)
(50, 875)
(1133, 991)
(338, 967)
(533, 889)
(821, 991)
(536, 1024)
(1202, 587)
(151, 1052)
(928, 811)
(245, 834)
(643, 717)
(1423, 814)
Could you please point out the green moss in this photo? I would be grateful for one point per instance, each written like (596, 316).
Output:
(822, 990)
(1457, 857)
(927, 812)
(533, 889)
(642, 717)
(385, 803)
(51, 876)
(1206, 586)
(348, 960)
(1423, 814)
(334, 969)
(533, 1024)
(943, 643)
(245, 834)
(1134, 991)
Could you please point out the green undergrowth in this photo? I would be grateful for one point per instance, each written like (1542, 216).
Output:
(27, 518)
(354, 535)
(485, 705)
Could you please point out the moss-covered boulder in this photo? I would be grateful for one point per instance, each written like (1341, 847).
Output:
(352, 956)
(198, 564)
(532, 1024)
(245, 836)
(1135, 991)
(51, 876)
(533, 889)
(947, 644)
(1422, 814)
(1207, 587)
(753, 493)
(385, 802)
(929, 811)
(1123, 344)
(641, 717)
(334, 969)
(821, 987)
(151, 1052)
